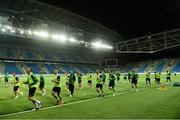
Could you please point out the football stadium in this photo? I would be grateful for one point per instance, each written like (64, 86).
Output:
(56, 64)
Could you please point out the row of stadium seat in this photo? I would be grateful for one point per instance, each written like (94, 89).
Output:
(11, 67)
(154, 65)
(28, 54)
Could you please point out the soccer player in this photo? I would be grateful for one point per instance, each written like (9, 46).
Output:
(56, 91)
(168, 76)
(90, 81)
(129, 76)
(6, 79)
(134, 80)
(104, 78)
(155, 76)
(112, 79)
(32, 84)
(148, 79)
(158, 78)
(42, 83)
(125, 77)
(79, 76)
(16, 86)
(118, 77)
(72, 79)
(99, 85)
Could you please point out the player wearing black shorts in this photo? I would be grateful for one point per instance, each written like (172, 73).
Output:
(72, 79)
(42, 84)
(56, 91)
(134, 80)
(99, 84)
(79, 76)
(16, 86)
(90, 81)
(32, 84)
(125, 77)
(148, 79)
(112, 79)
(129, 76)
(158, 78)
(168, 76)
(104, 78)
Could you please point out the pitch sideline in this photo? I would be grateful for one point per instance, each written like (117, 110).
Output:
(70, 103)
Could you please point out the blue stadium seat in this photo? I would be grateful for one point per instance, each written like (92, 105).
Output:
(11, 68)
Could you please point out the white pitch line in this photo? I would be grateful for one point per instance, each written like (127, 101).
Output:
(70, 103)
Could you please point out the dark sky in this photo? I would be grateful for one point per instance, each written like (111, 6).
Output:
(129, 18)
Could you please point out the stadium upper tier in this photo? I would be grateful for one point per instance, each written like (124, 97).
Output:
(162, 65)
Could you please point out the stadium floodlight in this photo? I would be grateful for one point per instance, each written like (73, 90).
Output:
(21, 31)
(3, 30)
(100, 45)
(62, 38)
(30, 32)
(41, 34)
(8, 27)
(12, 30)
(72, 40)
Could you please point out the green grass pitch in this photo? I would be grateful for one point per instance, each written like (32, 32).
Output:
(148, 103)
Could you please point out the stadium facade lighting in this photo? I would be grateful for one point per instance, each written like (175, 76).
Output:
(8, 27)
(30, 32)
(41, 34)
(12, 30)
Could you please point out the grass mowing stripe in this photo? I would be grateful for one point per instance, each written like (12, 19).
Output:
(70, 103)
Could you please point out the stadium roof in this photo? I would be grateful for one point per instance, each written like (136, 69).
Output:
(36, 10)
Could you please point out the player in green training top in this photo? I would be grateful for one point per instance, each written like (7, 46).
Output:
(32, 84)
(148, 79)
(168, 76)
(42, 83)
(99, 84)
(56, 91)
(158, 78)
(72, 79)
(6, 79)
(129, 76)
(16, 86)
(112, 79)
(125, 77)
(79, 76)
(134, 80)
(90, 80)
(104, 78)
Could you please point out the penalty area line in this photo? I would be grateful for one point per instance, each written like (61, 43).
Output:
(70, 103)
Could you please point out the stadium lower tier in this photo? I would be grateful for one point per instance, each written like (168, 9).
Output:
(20, 68)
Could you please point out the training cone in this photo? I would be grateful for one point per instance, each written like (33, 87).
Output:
(162, 87)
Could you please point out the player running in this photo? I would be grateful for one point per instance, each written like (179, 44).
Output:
(67, 82)
(125, 77)
(129, 76)
(168, 76)
(56, 91)
(6, 79)
(16, 86)
(42, 83)
(148, 79)
(99, 85)
(72, 79)
(79, 76)
(104, 78)
(134, 80)
(112, 79)
(158, 78)
(90, 81)
(32, 84)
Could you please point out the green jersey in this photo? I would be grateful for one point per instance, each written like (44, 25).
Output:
(16, 81)
(32, 80)
(112, 77)
(147, 75)
(72, 79)
(6, 77)
(168, 74)
(56, 80)
(79, 76)
(41, 79)
(99, 79)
